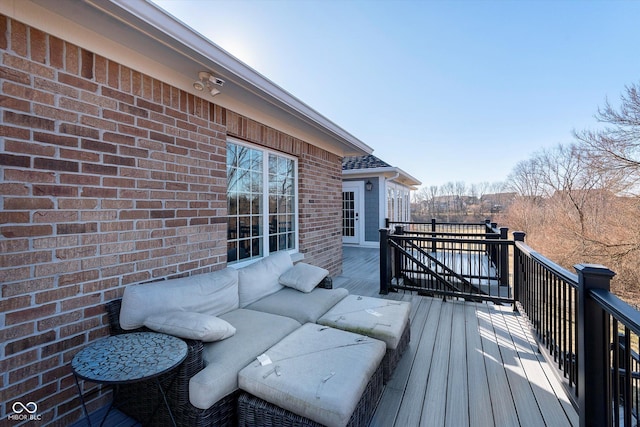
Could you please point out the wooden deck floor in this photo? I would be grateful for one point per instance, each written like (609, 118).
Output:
(468, 364)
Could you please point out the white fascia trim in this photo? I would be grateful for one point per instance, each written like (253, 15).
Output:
(163, 21)
(402, 177)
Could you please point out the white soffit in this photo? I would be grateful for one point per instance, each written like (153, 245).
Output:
(144, 37)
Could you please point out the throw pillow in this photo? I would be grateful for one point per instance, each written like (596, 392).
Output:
(303, 277)
(189, 325)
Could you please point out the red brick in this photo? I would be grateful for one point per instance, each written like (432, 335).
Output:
(82, 131)
(16, 161)
(80, 204)
(55, 190)
(13, 231)
(119, 182)
(27, 203)
(59, 319)
(30, 148)
(30, 121)
(30, 342)
(55, 165)
(79, 327)
(106, 193)
(49, 138)
(92, 168)
(71, 58)
(95, 122)
(7, 217)
(61, 345)
(16, 303)
(79, 106)
(99, 286)
(76, 228)
(78, 252)
(80, 302)
(14, 132)
(28, 176)
(27, 287)
(89, 144)
(77, 82)
(78, 179)
(15, 332)
(4, 43)
(29, 314)
(11, 103)
(78, 277)
(25, 258)
(34, 369)
(56, 268)
(86, 64)
(19, 38)
(38, 49)
(81, 155)
(56, 49)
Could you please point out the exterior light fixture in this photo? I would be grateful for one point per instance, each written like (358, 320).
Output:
(208, 81)
(368, 185)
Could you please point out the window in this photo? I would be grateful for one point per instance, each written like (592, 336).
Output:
(261, 202)
(398, 203)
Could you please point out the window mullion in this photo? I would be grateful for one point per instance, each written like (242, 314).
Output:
(265, 204)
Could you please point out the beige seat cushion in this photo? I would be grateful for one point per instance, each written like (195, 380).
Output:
(260, 279)
(304, 307)
(255, 333)
(210, 293)
(375, 317)
(316, 372)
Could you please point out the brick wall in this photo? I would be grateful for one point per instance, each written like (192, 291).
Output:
(109, 177)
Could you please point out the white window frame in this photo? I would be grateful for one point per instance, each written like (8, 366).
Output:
(265, 201)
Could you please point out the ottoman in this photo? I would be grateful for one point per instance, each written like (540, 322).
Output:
(386, 320)
(314, 376)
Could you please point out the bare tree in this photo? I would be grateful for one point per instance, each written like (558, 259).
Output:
(616, 147)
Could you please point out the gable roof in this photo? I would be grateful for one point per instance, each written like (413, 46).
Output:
(367, 165)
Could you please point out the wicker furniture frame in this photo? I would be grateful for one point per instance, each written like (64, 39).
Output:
(392, 357)
(255, 412)
(139, 400)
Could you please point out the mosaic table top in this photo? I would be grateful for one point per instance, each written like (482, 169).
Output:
(129, 357)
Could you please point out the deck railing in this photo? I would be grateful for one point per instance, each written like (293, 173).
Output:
(448, 259)
(585, 331)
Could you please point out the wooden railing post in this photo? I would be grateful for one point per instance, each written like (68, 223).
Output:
(518, 276)
(593, 348)
(385, 275)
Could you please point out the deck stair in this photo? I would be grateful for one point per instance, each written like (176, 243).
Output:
(431, 271)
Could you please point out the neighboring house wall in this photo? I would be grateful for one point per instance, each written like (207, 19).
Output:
(110, 178)
(372, 211)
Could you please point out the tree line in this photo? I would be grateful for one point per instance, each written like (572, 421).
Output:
(577, 202)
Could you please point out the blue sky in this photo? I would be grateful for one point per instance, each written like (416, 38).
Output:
(445, 90)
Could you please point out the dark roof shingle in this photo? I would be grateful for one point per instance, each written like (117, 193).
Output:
(363, 162)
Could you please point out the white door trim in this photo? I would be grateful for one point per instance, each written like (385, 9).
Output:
(357, 187)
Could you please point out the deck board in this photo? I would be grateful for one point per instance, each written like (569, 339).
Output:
(479, 393)
(468, 364)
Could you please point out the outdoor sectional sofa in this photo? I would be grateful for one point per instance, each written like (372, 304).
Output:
(228, 318)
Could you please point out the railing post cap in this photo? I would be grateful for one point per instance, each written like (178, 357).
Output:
(594, 270)
(519, 236)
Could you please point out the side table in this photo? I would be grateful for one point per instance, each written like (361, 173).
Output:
(128, 358)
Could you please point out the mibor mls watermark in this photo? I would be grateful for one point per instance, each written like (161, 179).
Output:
(24, 412)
